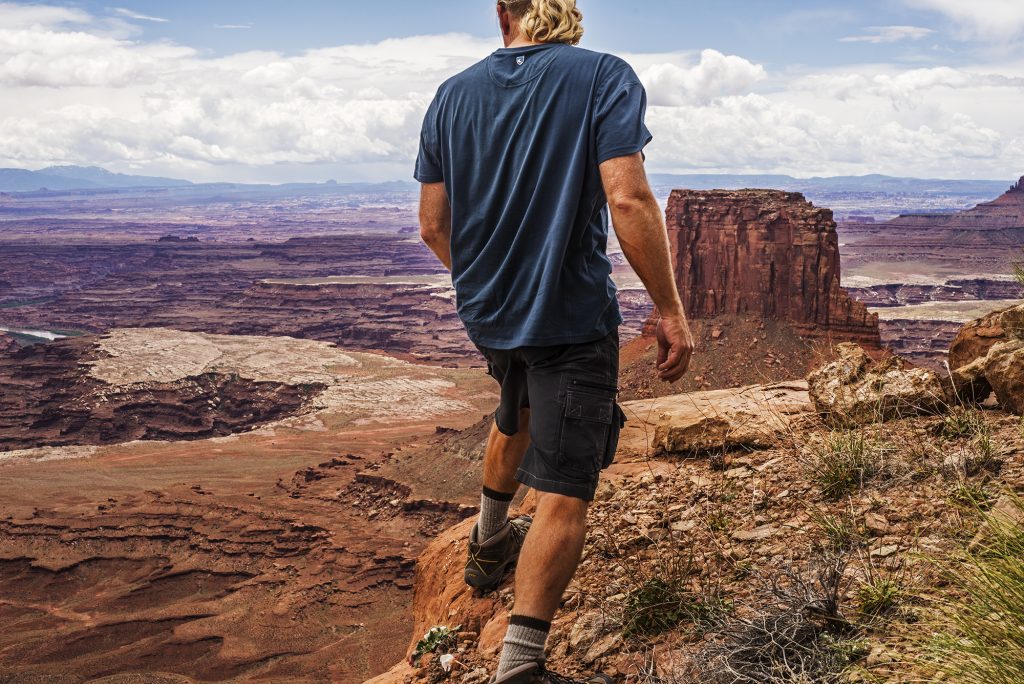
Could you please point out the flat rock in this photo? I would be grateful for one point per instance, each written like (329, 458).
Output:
(699, 422)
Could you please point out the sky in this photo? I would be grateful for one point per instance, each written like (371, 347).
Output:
(310, 90)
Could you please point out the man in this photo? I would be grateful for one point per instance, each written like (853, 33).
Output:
(521, 156)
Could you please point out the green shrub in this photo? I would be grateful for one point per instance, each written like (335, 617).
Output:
(963, 422)
(980, 637)
(845, 461)
(841, 531)
(879, 595)
(659, 605)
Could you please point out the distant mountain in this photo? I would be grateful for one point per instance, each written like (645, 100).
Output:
(20, 180)
(872, 183)
(78, 178)
(108, 179)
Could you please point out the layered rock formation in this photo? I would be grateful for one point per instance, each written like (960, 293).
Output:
(7, 344)
(758, 273)
(767, 253)
(280, 554)
(1004, 213)
(49, 398)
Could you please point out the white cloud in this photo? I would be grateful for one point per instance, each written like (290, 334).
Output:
(230, 27)
(904, 88)
(716, 75)
(889, 34)
(15, 17)
(130, 14)
(999, 20)
(75, 89)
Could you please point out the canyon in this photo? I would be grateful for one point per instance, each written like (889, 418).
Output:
(266, 409)
(279, 552)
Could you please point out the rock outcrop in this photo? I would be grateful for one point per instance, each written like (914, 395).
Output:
(1005, 213)
(975, 339)
(854, 390)
(988, 355)
(768, 253)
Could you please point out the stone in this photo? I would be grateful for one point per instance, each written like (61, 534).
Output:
(1004, 369)
(702, 422)
(756, 534)
(603, 647)
(976, 338)
(768, 253)
(854, 390)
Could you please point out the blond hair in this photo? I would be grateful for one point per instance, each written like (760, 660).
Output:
(548, 21)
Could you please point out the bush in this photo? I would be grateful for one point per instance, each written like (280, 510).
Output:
(796, 634)
(658, 605)
(845, 461)
(980, 638)
(963, 422)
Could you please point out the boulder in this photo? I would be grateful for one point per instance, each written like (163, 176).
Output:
(701, 422)
(975, 339)
(1004, 370)
(855, 390)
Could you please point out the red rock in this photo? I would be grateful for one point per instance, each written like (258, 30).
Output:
(976, 338)
(767, 253)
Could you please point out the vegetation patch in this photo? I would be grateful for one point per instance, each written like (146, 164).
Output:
(979, 637)
(658, 605)
(845, 461)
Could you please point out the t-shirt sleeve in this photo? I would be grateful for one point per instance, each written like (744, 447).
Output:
(428, 161)
(619, 116)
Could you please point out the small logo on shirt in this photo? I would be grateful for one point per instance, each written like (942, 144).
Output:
(520, 60)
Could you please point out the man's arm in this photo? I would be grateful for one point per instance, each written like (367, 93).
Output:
(641, 231)
(436, 221)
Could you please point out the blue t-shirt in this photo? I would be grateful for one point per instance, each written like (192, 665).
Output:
(517, 140)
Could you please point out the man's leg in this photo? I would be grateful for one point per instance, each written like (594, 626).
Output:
(502, 459)
(547, 564)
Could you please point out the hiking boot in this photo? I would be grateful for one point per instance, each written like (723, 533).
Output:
(489, 560)
(536, 673)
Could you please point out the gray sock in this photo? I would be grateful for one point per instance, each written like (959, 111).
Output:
(493, 513)
(524, 642)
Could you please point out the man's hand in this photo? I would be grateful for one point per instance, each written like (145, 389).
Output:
(675, 348)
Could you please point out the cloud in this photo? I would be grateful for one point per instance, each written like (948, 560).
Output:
(130, 14)
(716, 75)
(996, 20)
(889, 34)
(23, 17)
(905, 88)
(72, 90)
(230, 27)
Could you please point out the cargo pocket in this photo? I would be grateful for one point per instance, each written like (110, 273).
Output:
(618, 422)
(588, 419)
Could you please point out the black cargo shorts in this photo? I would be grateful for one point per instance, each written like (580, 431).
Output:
(574, 419)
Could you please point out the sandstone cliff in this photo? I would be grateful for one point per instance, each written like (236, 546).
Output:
(996, 219)
(758, 272)
(768, 253)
